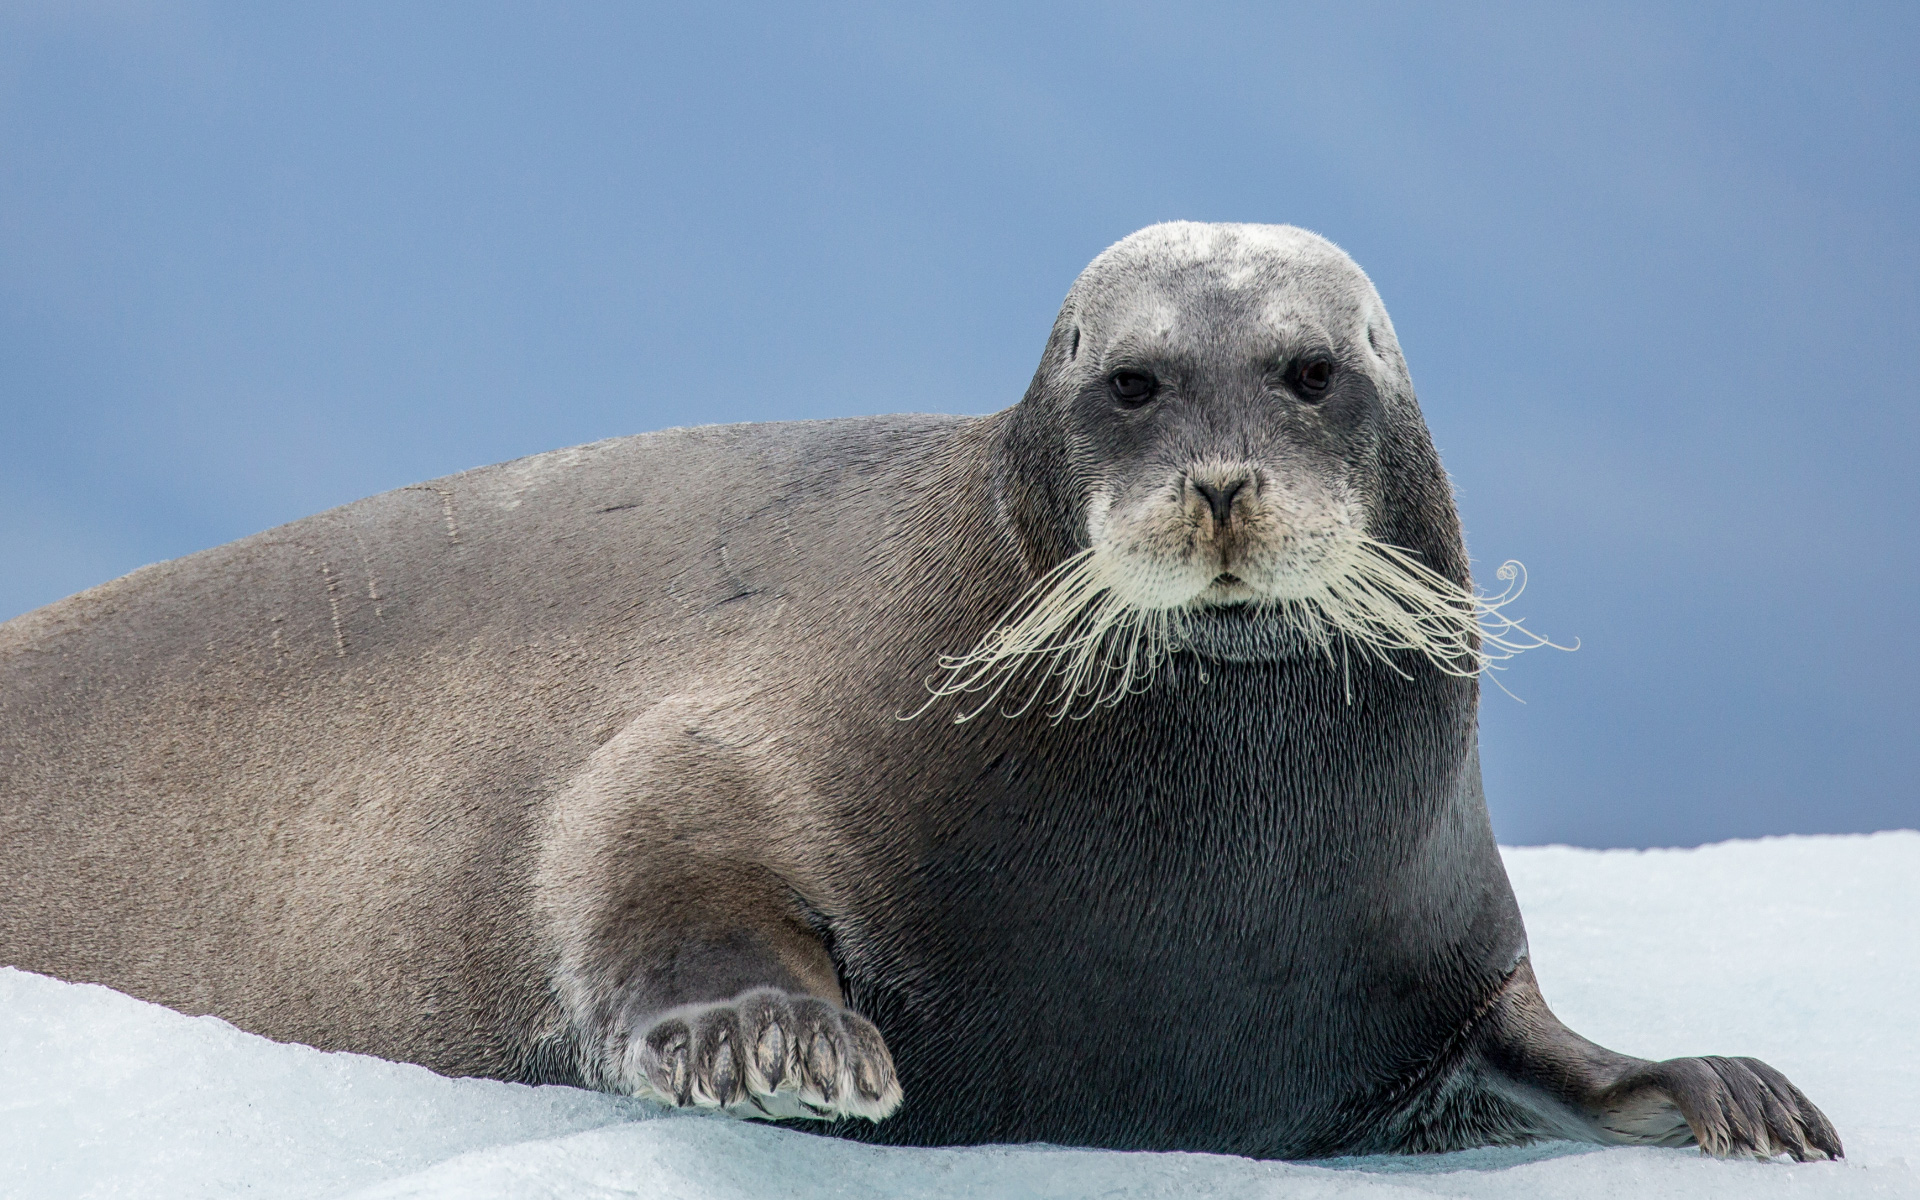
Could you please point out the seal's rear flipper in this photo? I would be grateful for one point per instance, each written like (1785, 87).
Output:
(1730, 1107)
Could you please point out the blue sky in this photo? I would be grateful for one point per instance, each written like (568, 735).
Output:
(1657, 274)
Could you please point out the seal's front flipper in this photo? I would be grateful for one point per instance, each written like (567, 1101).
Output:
(766, 1054)
(1729, 1107)
(685, 916)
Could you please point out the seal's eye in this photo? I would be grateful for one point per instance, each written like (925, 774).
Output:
(1316, 376)
(1132, 387)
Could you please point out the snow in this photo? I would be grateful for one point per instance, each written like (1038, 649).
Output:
(1802, 951)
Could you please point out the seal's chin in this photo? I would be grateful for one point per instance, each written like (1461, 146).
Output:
(1229, 628)
(1231, 620)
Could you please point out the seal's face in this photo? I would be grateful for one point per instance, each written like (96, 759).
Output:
(1226, 397)
(1201, 464)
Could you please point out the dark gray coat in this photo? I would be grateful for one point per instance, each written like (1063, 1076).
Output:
(592, 767)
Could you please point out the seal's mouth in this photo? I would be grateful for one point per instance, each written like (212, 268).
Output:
(1226, 591)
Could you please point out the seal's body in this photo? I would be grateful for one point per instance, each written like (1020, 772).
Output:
(615, 765)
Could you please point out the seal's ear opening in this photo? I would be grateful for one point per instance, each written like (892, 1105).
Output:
(1073, 343)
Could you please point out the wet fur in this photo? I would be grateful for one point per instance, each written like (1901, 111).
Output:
(558, 770)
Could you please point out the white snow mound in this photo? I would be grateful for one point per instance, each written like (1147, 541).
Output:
(1802, 951)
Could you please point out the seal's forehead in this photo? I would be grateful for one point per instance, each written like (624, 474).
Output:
(1174, 245)
(1275, 275)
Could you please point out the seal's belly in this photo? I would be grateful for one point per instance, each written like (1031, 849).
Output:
(1226, 1020)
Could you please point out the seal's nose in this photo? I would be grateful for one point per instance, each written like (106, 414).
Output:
(1219, 495)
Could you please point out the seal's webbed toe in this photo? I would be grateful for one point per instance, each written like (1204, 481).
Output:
(1730, 1107)
(767, 1054)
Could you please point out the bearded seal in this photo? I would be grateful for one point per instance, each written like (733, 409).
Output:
(615, 766)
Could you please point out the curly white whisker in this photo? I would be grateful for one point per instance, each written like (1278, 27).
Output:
(1074, 643)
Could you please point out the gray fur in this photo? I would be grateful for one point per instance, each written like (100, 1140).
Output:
(590, 767)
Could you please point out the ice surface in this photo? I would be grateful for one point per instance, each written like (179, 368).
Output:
(1802, 951)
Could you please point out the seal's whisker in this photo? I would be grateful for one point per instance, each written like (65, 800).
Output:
(1075, 644)
(1383, 599)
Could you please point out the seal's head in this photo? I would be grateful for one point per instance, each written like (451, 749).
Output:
(1221, 452)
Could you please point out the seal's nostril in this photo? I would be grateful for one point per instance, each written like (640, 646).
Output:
(1219, 498)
